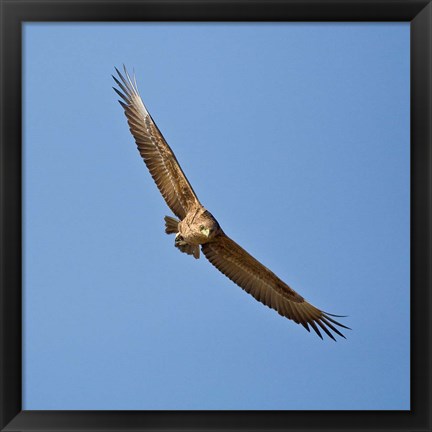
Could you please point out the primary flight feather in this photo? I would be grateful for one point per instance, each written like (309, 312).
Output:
(195, 226)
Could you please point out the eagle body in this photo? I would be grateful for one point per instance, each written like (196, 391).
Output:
(199, 227)
(196, 229)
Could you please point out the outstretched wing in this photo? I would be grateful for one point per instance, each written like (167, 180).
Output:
(256, 279)
(157, 154)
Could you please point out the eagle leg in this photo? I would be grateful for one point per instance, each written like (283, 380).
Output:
(185, 247)
(171, 227)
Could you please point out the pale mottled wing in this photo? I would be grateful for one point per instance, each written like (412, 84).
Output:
(256, 279)
(157, 154)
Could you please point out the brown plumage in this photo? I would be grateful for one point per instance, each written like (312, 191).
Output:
(196, 227)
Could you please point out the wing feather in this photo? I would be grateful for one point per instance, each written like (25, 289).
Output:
(256, 279)
(157, 154)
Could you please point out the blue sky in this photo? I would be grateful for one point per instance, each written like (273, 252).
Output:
(295, 136)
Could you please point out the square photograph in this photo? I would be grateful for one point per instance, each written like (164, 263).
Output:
(234, 234)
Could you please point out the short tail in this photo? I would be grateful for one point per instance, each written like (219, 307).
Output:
(171, 225)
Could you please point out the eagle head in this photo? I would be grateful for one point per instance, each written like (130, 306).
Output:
(207, 225)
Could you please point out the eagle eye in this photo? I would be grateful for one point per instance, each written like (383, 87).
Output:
(201, 227)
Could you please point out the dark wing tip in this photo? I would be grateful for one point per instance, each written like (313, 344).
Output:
(124, 97)
(327, 316)
(305, 325)
(325, 329)
(315, 328)
(327, 324)
(337, 316)
(118, 72)
(125, 83)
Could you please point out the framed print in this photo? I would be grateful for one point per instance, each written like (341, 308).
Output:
(286, 149)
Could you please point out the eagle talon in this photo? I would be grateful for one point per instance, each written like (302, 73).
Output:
(179, 240)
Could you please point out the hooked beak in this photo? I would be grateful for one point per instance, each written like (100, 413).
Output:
(206, 232)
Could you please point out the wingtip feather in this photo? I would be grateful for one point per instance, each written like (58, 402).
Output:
(123, 104)
(327, 331)
(124, 97)
(326, 315)
(316, 330)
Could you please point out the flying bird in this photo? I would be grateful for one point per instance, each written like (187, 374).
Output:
(195, 227)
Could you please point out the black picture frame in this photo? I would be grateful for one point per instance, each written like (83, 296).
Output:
(15, 12)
